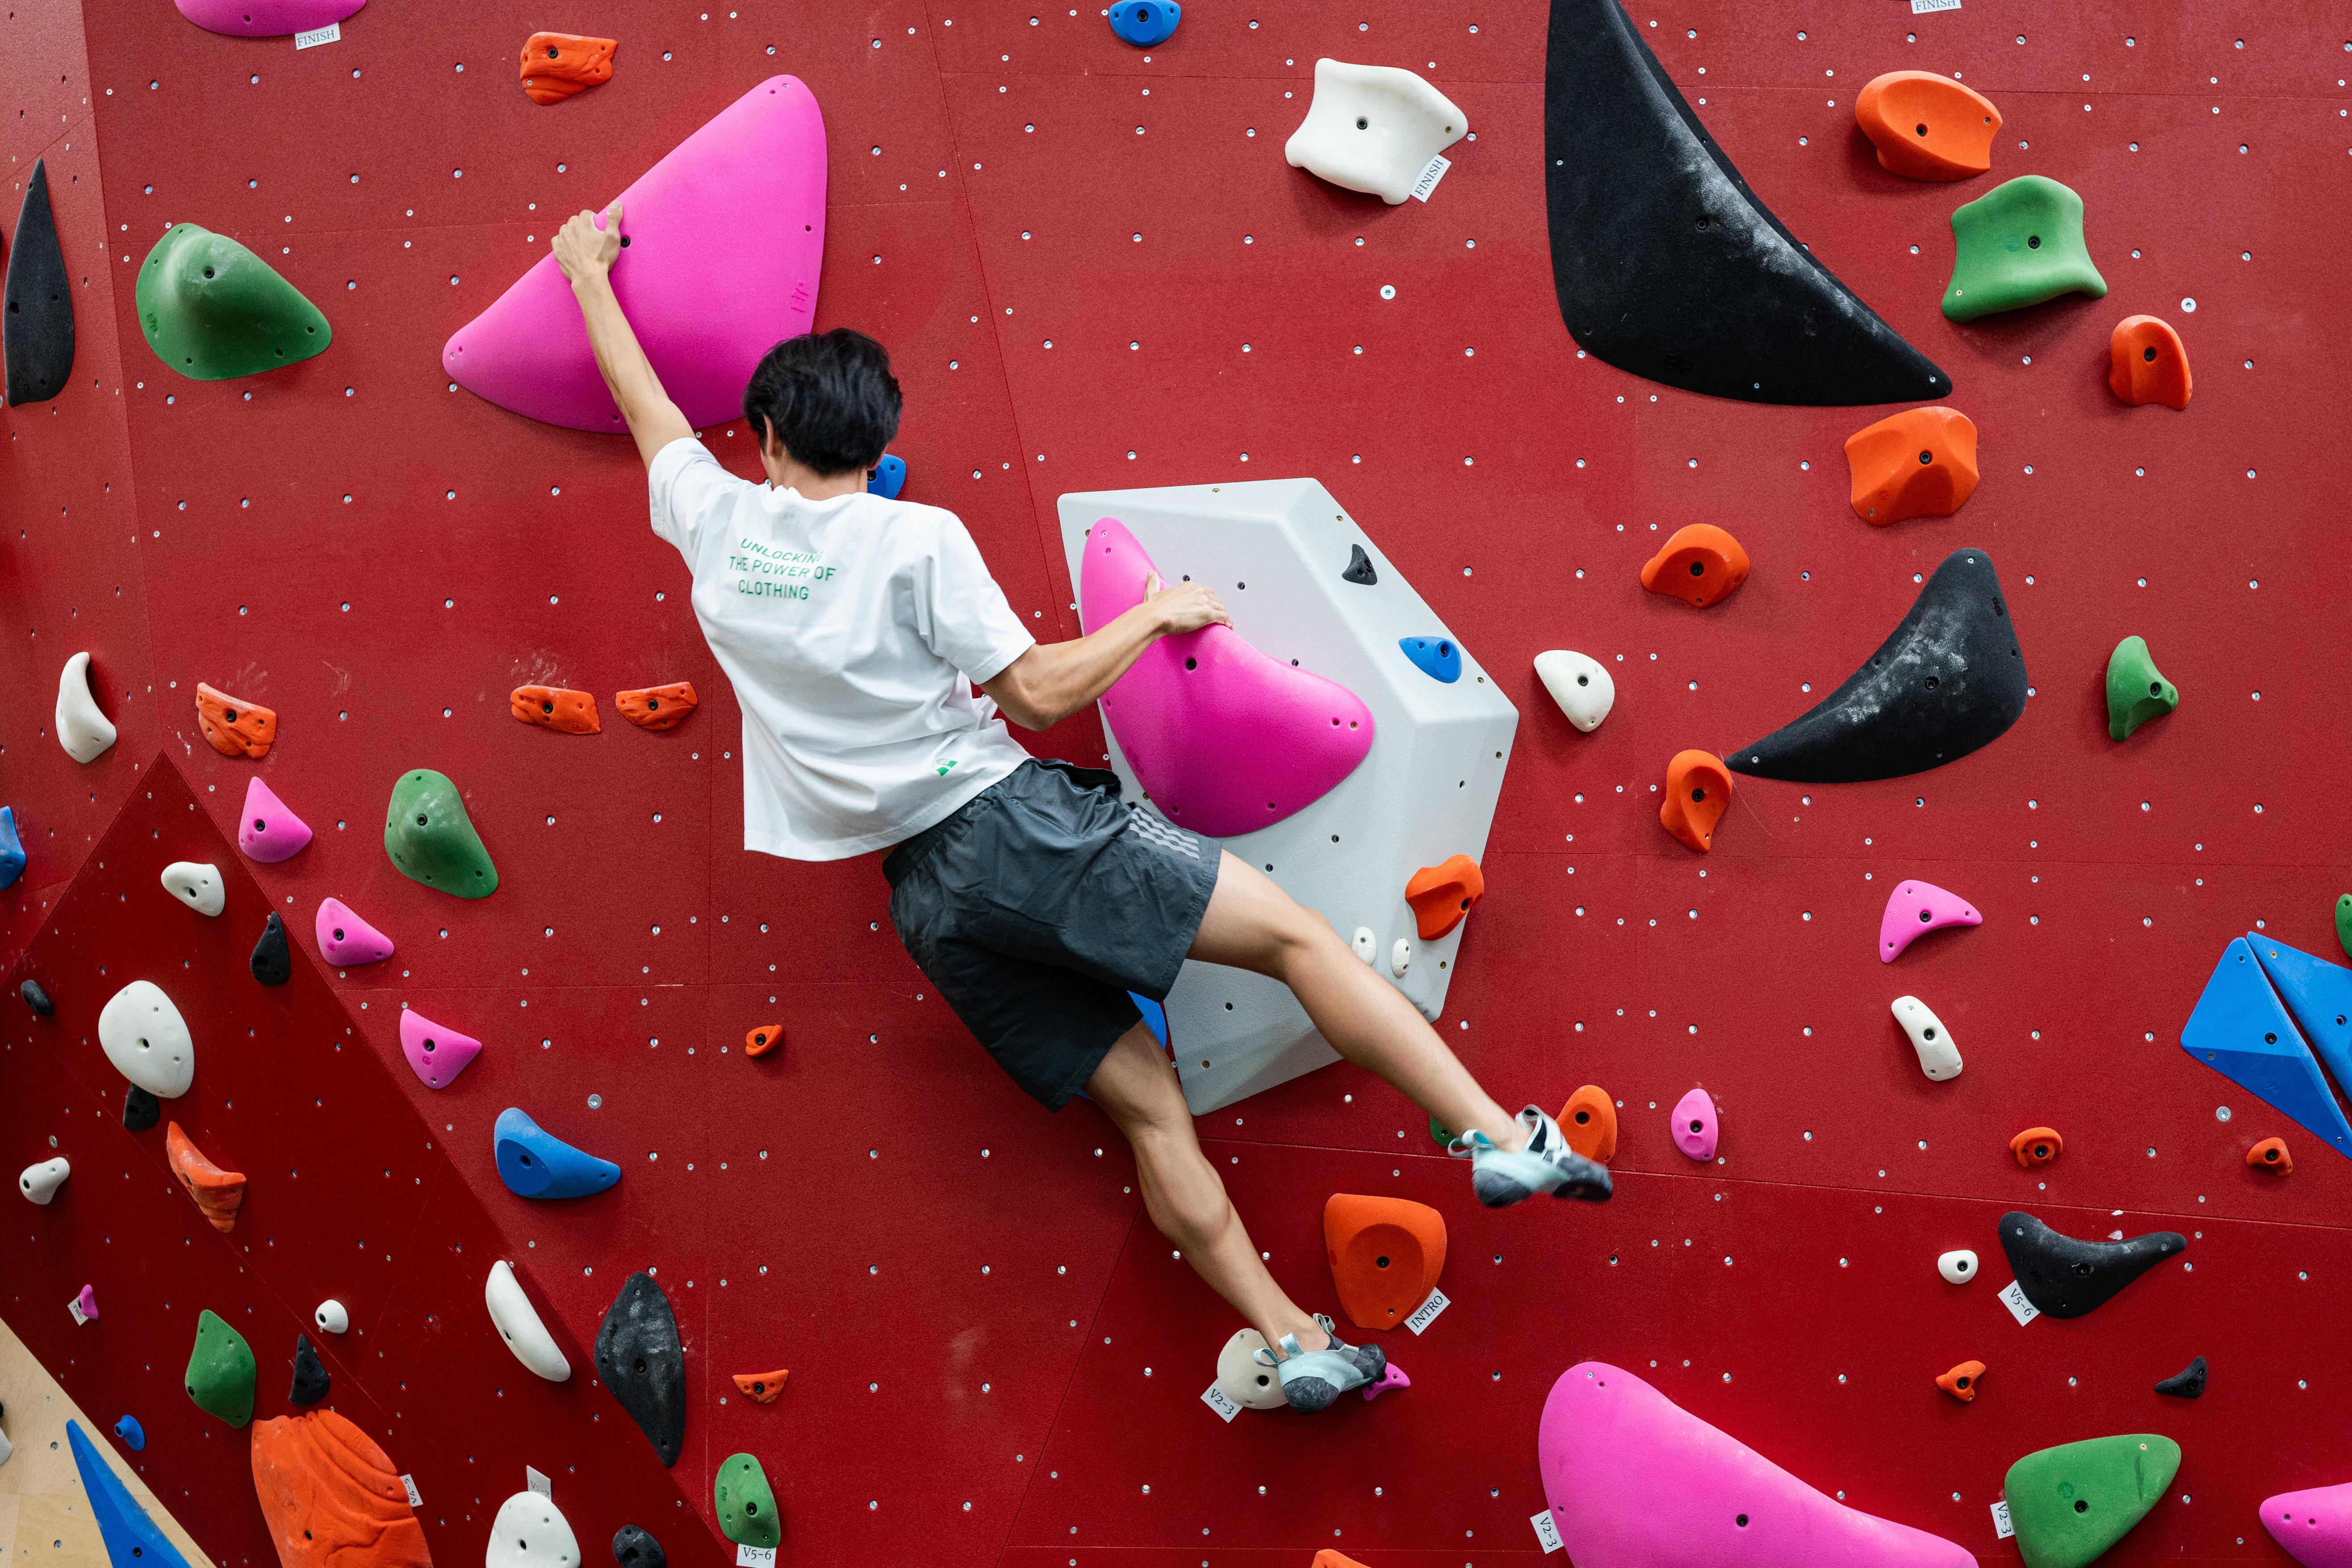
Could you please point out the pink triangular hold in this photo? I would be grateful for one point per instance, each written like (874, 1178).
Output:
(1224, 739)
(345, 939)
(437, 1054)
(1914, 908)
(725, 237)
(1695, 1126)
(265, 18)
(86, 1304)
(269, 832)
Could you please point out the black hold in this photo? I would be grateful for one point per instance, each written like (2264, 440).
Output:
(1359, 567)
(2186, 1384)
(37, 999)
(36, 321)
(2066, 1278)
(641, 1361)
(311, 1380)
(634, 1548)
(273, 961)
(1666, 263)
(141, 1110)
(1947, 680)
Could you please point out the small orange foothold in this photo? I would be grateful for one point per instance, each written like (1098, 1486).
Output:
(1698, 788)
(556, 708)
(1961, 1382)
(2146, 363)
(220, 1193)
(2037, 1146)
(1441, 894)
(1921, 462)
(1589, 1121)
(236, 728)
(763, 1039)
(1386, 1254)
(1700, 565)
(1927, 127)
(2270, 1155)
(1327, 1557)
(557, 65)
(657, 707)
(761, 1387)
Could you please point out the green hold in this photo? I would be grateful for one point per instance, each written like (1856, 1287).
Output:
(1439, 1135)
(747, 1508)
(429, 837)
(221, 1371)
(212, 309)
(2343, 925)
(2137, 691)
(2017, 244)
(2070, 1504)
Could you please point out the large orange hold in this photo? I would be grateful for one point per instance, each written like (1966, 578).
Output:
(1386, 1254)
(761, 1387)
(1589, 1121)
(657, 707)
(1927, 127)
(2146, 363)
(556, 708)
(1441, 894)
(220, 1193)
(1700, 565)
(2270, 1155)
(1961, 1382)
(1921, 462)
(758, 1042)
(1698, 788)
(236, 728)
(557, 65)
(2037, 1146)
(331, 1497)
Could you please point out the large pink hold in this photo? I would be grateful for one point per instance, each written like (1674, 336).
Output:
(725, 237)
(1914, 908)
(269, 832)
(347, 940)
(1695, 1126)
(1225, 740)
(265, 18)
(1635, 1482)
(2315, 1526)
(437, 1054)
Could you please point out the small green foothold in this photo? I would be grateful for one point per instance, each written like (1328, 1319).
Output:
(747, 1508)
(1439, 1135)
(432, 840)
(2017, 245)
(2343, 925)
(2137, 689)
(221, 1371)
(212, 309)
(2070, 1504)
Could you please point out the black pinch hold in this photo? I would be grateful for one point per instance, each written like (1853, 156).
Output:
(36, 323)
(273, 961)
(1359, 567)
(35, 998)
(2187, 1383)
(311, 1380)
(2066, 1278)
(641, 1360)
(141, 1110)
(633, 1547)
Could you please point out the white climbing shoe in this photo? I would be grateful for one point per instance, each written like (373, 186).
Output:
(1545, 1164)
(1313, 1379)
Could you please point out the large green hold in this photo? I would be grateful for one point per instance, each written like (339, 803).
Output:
(2017, 244)
(2137, 689)
(429, 837)
(747, 1508)
(2070, 1504)
(212, 309)
(221, 1371)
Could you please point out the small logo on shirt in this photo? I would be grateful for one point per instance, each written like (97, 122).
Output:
(945, 766)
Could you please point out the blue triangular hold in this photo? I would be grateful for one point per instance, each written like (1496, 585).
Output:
(1437, 656)
(12, 848)
(2240, 1031)
(1155, 1017)
(131, 1538)
(2319, 995)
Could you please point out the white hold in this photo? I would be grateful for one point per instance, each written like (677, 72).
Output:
(331, 1316)
(1401, 957)
(147, 1040)
(518, 1325)
(1242, 1380)
(1367, 946)
(197, 886)
(1957, 1268)
(40, 1182)
(82, 730)
(1939, 1059)
(1579, 684)
(1373, 128)
(7, 1447)
(530, 1533)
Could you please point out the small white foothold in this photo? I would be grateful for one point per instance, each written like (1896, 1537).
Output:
(1373, 128)
(1579, 684)
(1940, 1058)
(82, 730)
(518, 1324)
(331, 1316)
(1367, 946)
(530, 1532)
(197, 885)
(1401, 957)
(147, 1040)
(1244, 1381)
(40, 1182)
(1957, 1268)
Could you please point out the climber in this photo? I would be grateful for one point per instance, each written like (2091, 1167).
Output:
(853, 629)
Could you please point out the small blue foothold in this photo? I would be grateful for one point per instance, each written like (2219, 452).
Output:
(12, 848)
(129, 1434)
(889, 476)
(131, 1538)
(1437, 656)
(538, 1165)
(1145, 22)
(1155, 1017)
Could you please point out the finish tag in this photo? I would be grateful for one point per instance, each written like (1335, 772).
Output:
(415, 1499)
(1438, 165)
(538, 1483)
(1426, 1314)
(74, 1307)
(1218, 1400)
(332, 33)
(2001, 1528)
(2012, 1295)
(1921, 7)
(1546, 1530)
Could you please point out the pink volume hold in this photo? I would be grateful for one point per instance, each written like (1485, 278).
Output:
(267, 832)
(265, 18)
(437, 1054)
(1916, 908)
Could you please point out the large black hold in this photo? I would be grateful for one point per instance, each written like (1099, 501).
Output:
(633, 1547)
(2066, 1277)
(641, 1361)
(37, 323)
(273, 961)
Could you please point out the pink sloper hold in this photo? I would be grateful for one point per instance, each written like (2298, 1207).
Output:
(1914, 908)
(87, 1303)
(1636, 1482)
(724, 238)
(265, 18)
(2315, 1526)
(1695, 1126)
(1224, 739)
(438, 1054)
(269, 832)
(345, 939)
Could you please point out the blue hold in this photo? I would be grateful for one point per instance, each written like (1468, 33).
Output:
(1155, 1017)
(1145, 22)
(12, 848)
(129, 1434)
(2240, 1031)
(1437, 656)
(889, 476)
(538, 1165)
(131, 1538)
(2319, 995)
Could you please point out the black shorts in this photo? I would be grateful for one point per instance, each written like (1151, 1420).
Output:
(1039, 905)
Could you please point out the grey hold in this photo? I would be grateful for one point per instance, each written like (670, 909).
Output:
(311, 1380)
(640, 1359)
(633, 1547)
(141, 1110)
(1359, 567)
(273, 961)
(35, 998)
(2066, 1278)
(2187, 1383)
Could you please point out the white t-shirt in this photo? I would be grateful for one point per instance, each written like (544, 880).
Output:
(849, 626)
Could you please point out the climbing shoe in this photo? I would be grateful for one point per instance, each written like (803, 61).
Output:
(1547, 1165)
(1313, 1379)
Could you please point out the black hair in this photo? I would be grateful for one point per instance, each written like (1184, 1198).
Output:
(828, 396)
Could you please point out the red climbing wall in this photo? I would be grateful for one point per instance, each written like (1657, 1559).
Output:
(1096, 270)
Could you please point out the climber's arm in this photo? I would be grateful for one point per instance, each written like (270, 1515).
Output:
(1053, 681)
(586, 254)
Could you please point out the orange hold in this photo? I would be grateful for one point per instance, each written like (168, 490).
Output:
(236, 728)
(657, 707)
(2146, 363)
(1700, 565)
(763, 1039)
(1386, 1254)
(1927, 127)
(1921, 462)
(1589, 1121)
(1698, 788)
(761, 1387)
(1441, 894)
(220, 1193)
(2270, 1155)
(331, 1498)
(557, 65)
(2037, 1146)
(1961, 1382)
(556, 708)
(1327, 1557)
